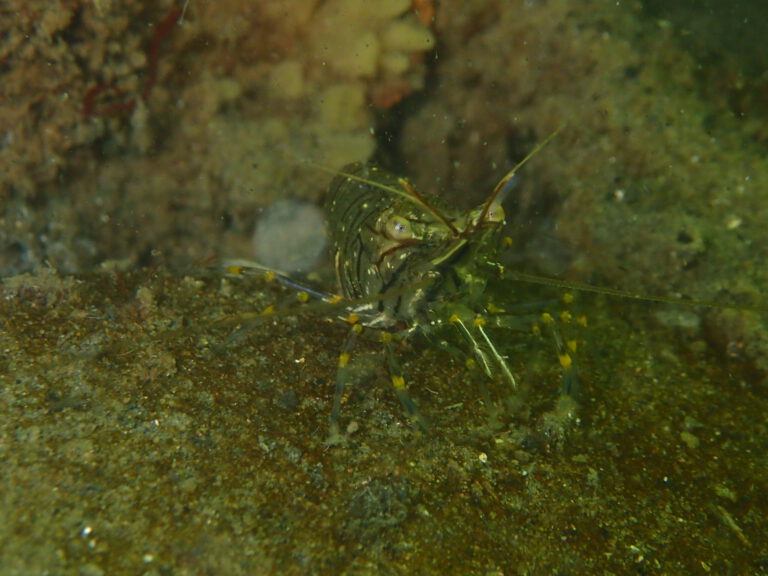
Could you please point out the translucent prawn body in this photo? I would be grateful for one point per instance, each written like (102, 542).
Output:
(400, 254)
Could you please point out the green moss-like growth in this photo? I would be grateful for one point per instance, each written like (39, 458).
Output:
(132, 444)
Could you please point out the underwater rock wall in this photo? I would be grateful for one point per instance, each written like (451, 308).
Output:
(136, 129)
(651, 186)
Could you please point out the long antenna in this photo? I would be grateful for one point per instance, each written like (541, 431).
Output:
(511, 174)
(581, 287)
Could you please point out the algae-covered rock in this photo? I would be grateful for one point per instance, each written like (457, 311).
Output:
(138, 436)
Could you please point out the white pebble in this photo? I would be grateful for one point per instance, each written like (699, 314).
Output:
(290, 236)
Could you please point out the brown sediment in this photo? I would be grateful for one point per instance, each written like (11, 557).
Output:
(131, 441)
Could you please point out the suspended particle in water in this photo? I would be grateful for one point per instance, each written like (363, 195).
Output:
(290, 236)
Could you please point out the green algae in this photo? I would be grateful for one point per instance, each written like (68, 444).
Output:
(130, 446)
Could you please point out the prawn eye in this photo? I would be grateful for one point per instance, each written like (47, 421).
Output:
(398, 228)
(495, 213)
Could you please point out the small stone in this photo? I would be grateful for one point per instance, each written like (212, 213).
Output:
(689, 440)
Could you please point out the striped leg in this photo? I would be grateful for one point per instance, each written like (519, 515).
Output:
(335, 436)
(564, 350)
(398, 383)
